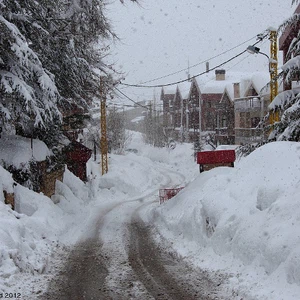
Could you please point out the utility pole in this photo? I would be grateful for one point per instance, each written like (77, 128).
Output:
(274, 115)
(200, 121)
(103, 139)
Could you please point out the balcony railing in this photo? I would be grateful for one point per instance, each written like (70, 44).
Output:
(248, 135)
(224, 131)
(247, 104)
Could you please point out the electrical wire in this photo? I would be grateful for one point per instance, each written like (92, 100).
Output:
(177, 82)
(184, 80)
(261, 38)
(127, 97)
(199, 63)
(130, 99)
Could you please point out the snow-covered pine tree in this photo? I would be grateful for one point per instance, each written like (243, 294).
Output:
(49, 50)
(288, 128)
(28, 94)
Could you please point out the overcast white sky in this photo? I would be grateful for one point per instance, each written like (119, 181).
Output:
(160, 37)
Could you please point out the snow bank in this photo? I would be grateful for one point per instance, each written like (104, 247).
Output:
(135, 174)
(29, 234)
(128, 176)
(26, 234)
(181, 158)
(6, 183)
(249, 214)
(16, 150)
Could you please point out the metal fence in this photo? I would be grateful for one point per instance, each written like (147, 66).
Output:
(166, 194)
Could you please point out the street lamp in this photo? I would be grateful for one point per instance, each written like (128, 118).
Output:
(272, 65)
(255, 50)
(274, 116)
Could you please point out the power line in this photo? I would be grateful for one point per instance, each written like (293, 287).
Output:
(232, 58)
(187, 79)
(131, 99)
(199, 63)
(260, 38)
(146, 107)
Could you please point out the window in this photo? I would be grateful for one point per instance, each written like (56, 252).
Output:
(243, 120)
(254, 122)
(224, 121)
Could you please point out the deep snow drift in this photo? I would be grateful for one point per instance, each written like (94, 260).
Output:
(243, 220)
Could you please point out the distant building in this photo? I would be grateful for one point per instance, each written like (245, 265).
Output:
(229, 106)
(167, 97)
(212, 93)
(250, 106)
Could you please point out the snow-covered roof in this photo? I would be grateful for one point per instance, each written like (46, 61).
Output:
(258, 80)
(16, 150)
(170, 89)
(209, 85)
(184, 88)
(218, 86)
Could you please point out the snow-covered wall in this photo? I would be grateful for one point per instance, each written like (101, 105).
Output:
(16, 150)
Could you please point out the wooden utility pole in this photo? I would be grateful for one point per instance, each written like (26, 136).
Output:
(103, 139)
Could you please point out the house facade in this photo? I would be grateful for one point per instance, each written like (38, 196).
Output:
(167, 98)
(225, 134)
(250, 106)
(229, 106)
(212, 94)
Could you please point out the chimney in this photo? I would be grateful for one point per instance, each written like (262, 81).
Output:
(236, 90)
(220, 74)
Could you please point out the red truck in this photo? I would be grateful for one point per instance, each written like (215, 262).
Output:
(210, 159)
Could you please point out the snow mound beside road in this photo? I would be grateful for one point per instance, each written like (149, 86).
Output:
(30, 234)
(27, 233)
(246, 218)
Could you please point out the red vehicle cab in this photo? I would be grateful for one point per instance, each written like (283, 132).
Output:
(211, 159)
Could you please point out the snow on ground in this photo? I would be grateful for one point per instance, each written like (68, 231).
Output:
(40, 226)
(244, 221)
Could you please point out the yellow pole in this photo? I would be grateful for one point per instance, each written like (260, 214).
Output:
(274, 115)
(103, 139)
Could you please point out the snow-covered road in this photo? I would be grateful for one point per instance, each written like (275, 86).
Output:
(117, 258)
(232, 233)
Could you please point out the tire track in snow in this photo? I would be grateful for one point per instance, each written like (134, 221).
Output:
(86, 271)
(164, 275)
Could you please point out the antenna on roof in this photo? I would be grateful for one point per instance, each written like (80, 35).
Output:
(189, 76)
